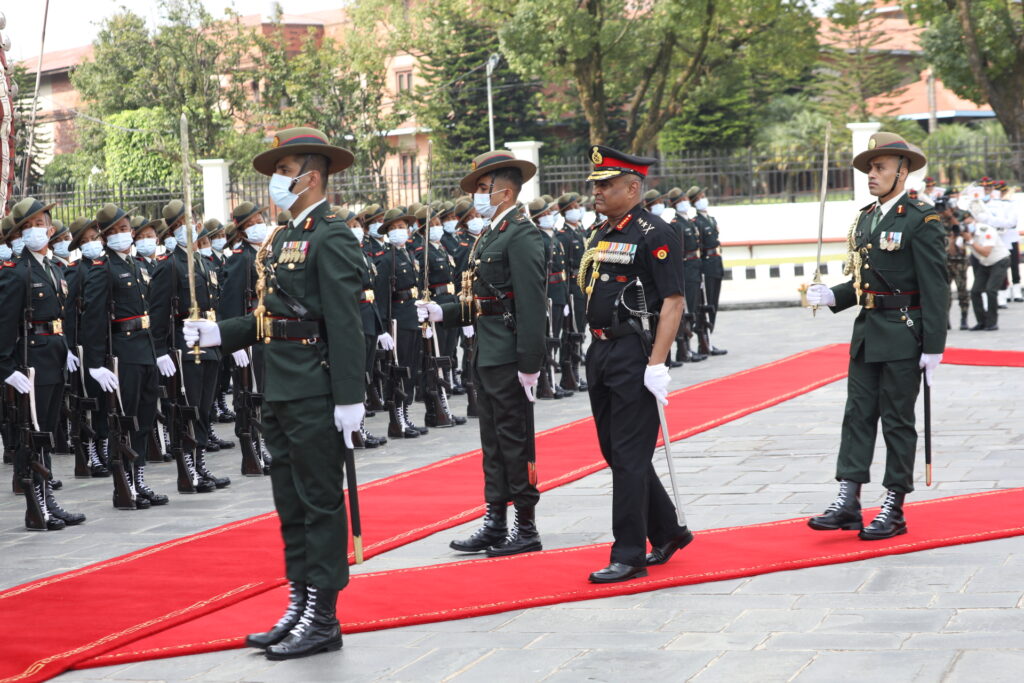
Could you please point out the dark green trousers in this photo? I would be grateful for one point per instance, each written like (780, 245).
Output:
(506, 437)
(887, 391)
(307, 478)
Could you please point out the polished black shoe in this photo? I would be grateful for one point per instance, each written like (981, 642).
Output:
(219, 482)
(317, 630)
(522, 538)
(559, 392)
(616, 572)
(673, 363)
(582, 386)
(56, 484)
(277, 633)
(661, 554)
(843, 513)
(410, 424)
(889, 522)
(221, 444)
(494, 530)
(978, 327)
(715, 351)
(992, 328)
(55, 510)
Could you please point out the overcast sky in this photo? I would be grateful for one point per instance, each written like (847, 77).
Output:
(73, 23)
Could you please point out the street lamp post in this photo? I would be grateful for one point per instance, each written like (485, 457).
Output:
(492, 62)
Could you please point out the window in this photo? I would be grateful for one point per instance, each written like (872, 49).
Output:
(404, 80)
(408, 169)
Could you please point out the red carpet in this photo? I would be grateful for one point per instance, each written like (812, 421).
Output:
(200, 574)
(478, 587)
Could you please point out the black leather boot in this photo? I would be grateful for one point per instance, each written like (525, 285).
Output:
(142, 488)
(889, 522)
(494, 530)
(522, 538)
(660, 554)
(682, 350)
(277, 633)
(963, 322)
(55, 510)
(317, 630)
(219, 482)
(455, 419)
(843, 513)
(96, 467)
(222, 444)
(224, 414)
(193, 483)
(409, 423)
(37, 515)
(397, 427)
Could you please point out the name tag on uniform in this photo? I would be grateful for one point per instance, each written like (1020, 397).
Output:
(294, 252)
(614, 252)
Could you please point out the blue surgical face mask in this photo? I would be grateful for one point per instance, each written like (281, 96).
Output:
(257, 233)
(18, 245)
(281, 190)
(475, 225)
(181, 237)
(120, 242)
(206, 251)
(574, 215)
(219, 243)
(436, 233)
(375, 229)
(482, 203)
(358, 234)
(547, 221)
(398, 236)
(683, 207)
(657, 209)
(701, 204)
(170, 243)
(60, 249)
(5, 252)
(449, 226)
(146, 246)
(92, 250)
(35, 238)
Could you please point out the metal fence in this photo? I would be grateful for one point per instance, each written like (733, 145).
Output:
(79, 199)
(958, 165)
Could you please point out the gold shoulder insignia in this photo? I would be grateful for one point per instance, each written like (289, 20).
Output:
(931, 217)
(921, 204)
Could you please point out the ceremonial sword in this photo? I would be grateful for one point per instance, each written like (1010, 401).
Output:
(821, 222)
(190, 246)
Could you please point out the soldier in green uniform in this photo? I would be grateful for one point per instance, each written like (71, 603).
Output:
(956, 257)
(214, 231)
(308, 318)
(145, 247)
(897, 257)
(503, 297)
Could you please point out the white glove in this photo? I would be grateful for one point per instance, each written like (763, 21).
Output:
(529, 382)
(820, 295)
(72, 362)
(386, 341)
(165, 365)
(105, 378)
(566, 311)
(348, 419)
(205, 332)
(656, 379)
(20, 382)
(428, 310)
(241, 358)
(468, 331)
(929, 362)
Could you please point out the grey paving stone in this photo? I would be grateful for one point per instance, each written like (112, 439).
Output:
(991, 667)
(987, 620)
(572, 620)
(710, 642)
(836, 579)
(918, 580)
(436, 664)
(753, 666)
(509, 665)
(829, 667)
(602, 641)
(614, 665)
(772, 620)
(886, 620)
(985, 640)
(835, 641)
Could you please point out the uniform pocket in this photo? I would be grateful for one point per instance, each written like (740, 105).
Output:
(291, 277)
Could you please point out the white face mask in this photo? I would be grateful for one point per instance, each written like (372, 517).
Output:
(398, 236)
(35, 238)
(206, 251)
(18, 245)
(547, 221)
(683, 207)
(996, 194)
(180, 236)
(656, 209)
(436, 232)
(358, 234)
(61, 248)
(952, 202)
(170, 243)
(120, 242)
(482, 204)
(475, 225)
(702, 204)
(574, 215)
(449, 226)
(219, 243)
(375, 229)
(281, 190)
(92, 250)
(256, 233)
(146, 246)
(5, 252)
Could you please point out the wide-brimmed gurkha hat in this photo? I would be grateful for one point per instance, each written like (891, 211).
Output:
(210, 228)
(889, 144)
(108, 215)
(245, 211)
(59, 230)
(162, 229)
(393, 215)
(5, 226)
(566, 199)
(302, 141)
(611, 163)
(78, 228)
(539, 206)
(694, 191)
(283, 217)
(492, 161)
(174, 211)
(27, 209)
(651, 196)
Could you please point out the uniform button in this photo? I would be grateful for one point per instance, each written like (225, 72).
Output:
(903, 317)
(870, 245)
(867, 266)
(291, 266)
(866, 285)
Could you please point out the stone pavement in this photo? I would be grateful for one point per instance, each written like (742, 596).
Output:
(946, 614)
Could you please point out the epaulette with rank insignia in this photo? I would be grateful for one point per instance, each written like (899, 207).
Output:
(162, 257)
(8, 264)
(98, 262)
(869, 207)
(237, 251)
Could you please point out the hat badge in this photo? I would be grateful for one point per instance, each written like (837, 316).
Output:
(276, 142)
(595, 156)
(472, 166)
(871, 143)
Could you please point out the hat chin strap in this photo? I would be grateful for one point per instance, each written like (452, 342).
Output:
(899, 167)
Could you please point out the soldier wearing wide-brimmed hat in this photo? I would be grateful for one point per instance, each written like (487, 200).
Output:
(692, 274)
(210, 244)
(33, 291)
(572, 235)
(308, 320)
(897, 257)
(543, 213)
(503, 298)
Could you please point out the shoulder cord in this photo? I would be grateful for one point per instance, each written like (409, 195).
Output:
(854, 257)
(262, 329)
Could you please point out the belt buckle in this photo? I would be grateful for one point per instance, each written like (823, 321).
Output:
(58, 326)
(869, 300)
(145, 321)
(414, 292)
(450, 288)
(211, 316)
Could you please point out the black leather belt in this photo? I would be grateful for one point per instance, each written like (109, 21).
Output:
(443, 288)
(611, 333)
(293, 329)
(48, 327)
(556, 278)
(136, 322)
(209, 314)
(710, 252)
(400, 296)
(490, 305)
(887, 301)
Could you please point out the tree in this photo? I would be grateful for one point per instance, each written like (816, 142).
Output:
(977, 49)
(856, 65)
(136, 153)
(632, 67)
(26, 84)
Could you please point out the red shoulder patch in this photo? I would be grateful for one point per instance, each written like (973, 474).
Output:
(239, 250)
(162, 257)
(8, 264)
(661, 253)
(98, 262)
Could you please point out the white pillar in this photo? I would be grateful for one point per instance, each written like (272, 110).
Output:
(530, 151)
(216, 184)
(862, 132)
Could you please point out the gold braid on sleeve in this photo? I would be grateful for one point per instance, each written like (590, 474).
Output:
(854, 257)
(263, 253)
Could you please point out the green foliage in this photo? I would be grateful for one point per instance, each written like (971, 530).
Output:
(134, 157)
(66, 169)
(23, 116)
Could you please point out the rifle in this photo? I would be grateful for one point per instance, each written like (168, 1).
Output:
(375, 381)
(248, 425)
(703, 326)
(81, 420)
(181, 420)
(394, 385)
(546, 383)
(122, 457)
(570, 361)
(155, 439)
(468, 378)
